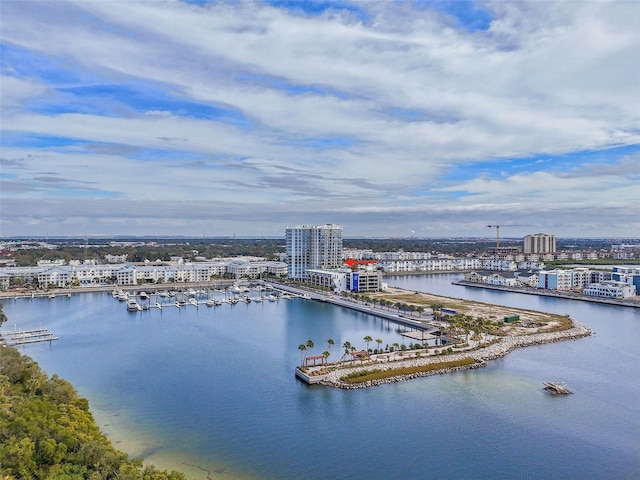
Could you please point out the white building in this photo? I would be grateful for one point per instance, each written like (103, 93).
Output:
(313, 247)
(335, 280)
(555, 279)
(610, 289)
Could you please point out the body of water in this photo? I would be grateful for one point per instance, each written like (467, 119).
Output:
(215, 387)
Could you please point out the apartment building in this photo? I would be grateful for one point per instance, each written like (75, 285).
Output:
(313, 247)
(539, 243)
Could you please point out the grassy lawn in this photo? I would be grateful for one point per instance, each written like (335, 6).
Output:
(366, 375)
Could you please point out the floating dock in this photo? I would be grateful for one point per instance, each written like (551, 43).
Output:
(23, 337)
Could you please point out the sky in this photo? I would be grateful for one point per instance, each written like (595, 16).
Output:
(391, 118)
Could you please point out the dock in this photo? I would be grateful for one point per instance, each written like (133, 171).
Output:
(23, 337)
(557, 388)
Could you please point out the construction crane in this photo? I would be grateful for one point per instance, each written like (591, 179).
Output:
(497, 227)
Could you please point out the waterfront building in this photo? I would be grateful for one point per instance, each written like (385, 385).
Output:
(629, 275)
(555, 279)
(313, 247)
(507, 279)
(335, 280)
(367, 279)
(610, 289)
(539, 243)
(137, 274)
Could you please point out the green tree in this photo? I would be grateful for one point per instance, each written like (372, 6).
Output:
(331, 342)
(326, 354)
(379, 342)
(302, 347)
(347, 348)
(3, 317)
(367, 340)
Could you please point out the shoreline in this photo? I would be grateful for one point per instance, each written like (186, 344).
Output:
(481, 355)
(620, 302)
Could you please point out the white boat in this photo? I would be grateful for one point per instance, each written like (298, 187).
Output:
(163, 294)
(191, 292)
(143, 295)
(133, 306)
(193, 302)
(210, 303)
(52, 295)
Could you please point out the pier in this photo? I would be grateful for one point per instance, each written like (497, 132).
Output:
(23, 337)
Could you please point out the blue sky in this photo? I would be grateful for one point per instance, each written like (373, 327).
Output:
(387, 117)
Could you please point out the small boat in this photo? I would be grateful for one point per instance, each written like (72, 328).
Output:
(143, 295)
(133, 306)
(163, 294)
(52, 295)
(193, 302)
(210, 303)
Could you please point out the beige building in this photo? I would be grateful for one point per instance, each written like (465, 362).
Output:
(539, 243)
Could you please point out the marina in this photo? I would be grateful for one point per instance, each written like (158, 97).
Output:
(210, 297)
(24, 337)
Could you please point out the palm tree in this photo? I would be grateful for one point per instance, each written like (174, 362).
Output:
(347, 348)
(309, 344)
(435, 308)
(326, 354)
(368, 339)
(302, 347)
(379, 342)
(331, 343)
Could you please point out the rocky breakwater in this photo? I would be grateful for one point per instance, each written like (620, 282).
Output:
(497, 349)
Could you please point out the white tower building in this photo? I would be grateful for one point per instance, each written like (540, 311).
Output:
(313, 247)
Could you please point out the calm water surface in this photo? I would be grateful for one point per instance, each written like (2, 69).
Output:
(215, 386)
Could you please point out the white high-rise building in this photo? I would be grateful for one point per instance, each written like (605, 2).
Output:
(539, 243)
(313, 247)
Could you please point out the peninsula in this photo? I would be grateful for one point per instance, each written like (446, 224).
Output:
(455, 335)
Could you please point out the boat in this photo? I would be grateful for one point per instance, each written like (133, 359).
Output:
(52, 295)
(163, 294)
(193, 302)
(133, 306)
(210, 303)
(143, 295)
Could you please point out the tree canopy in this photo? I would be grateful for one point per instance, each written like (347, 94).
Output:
(47, 431)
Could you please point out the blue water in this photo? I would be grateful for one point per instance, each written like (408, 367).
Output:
(217, 383)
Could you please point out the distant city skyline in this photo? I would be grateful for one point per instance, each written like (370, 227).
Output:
(424, 119)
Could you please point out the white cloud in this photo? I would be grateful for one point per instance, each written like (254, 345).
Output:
(410, 96)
